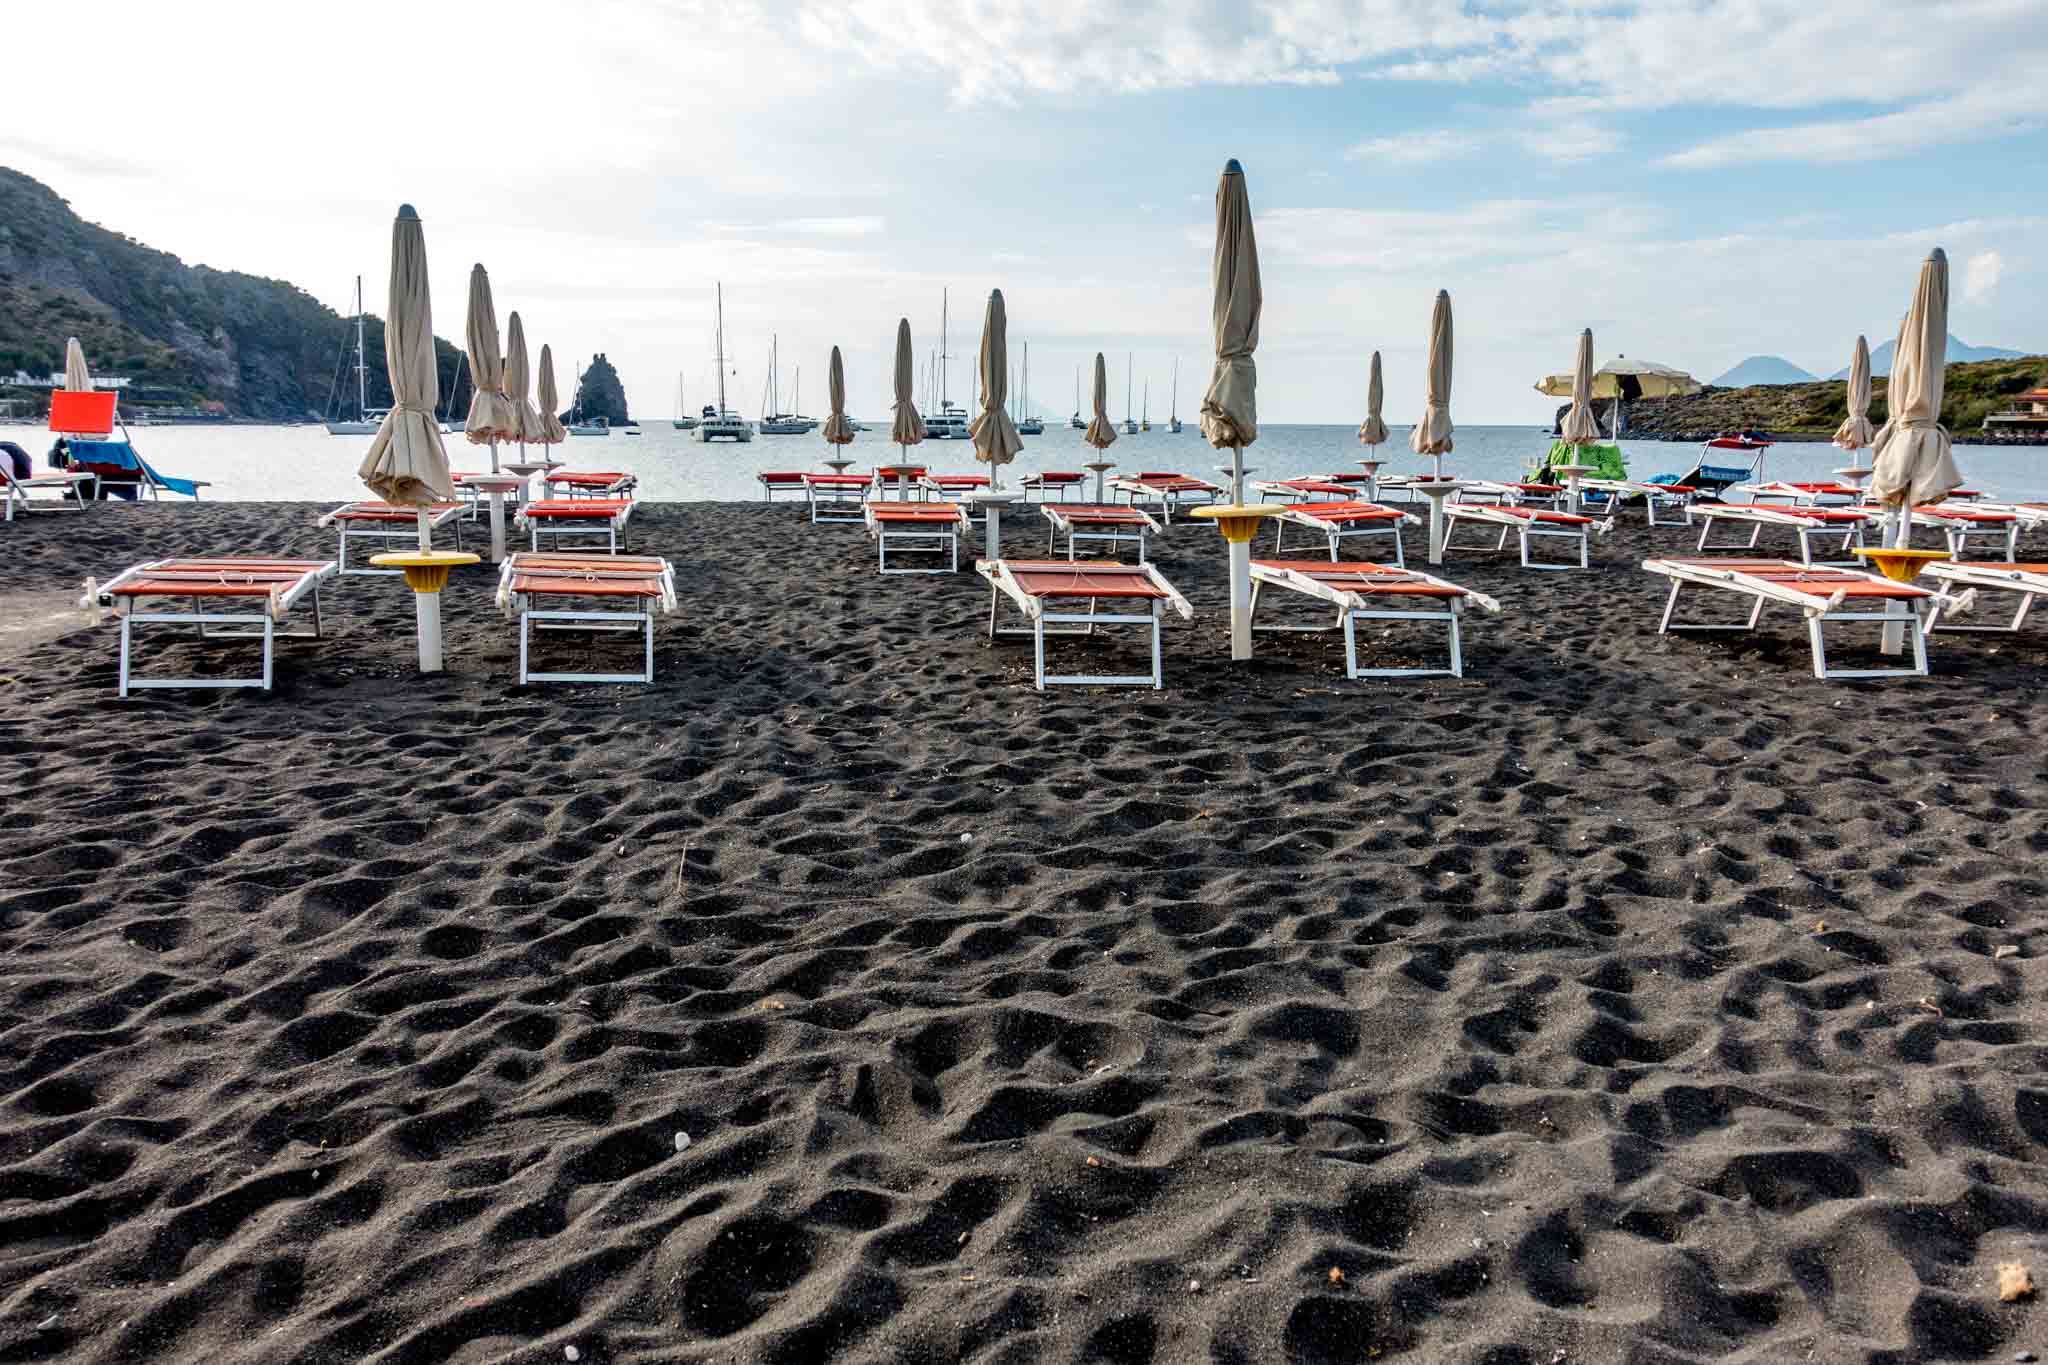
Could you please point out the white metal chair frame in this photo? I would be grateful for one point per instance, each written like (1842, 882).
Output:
(1070, 520)
(534, 619)
(1758, 516)
(265, 620)
(1353, 607)
(1526, 529)
(1044, 622)
(1818, 610)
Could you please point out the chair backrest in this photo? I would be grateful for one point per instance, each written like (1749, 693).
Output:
(83, 414)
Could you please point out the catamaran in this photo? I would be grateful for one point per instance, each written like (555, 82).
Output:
(949, 422)
(366, 420)
(682, 420)
(1173, 413)
(722, 423)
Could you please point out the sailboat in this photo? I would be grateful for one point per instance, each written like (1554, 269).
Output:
(774, 421)
(1145, 412)
(949, 422)
(365, 422)
(722, 423)
(682, 421)
(1173, 413)
(596, 426)
(1030, 426)
(1075, 421)
(1130, 427)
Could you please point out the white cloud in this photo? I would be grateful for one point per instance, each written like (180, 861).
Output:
(1981, 275)
(1413, 149)
(1970, 116)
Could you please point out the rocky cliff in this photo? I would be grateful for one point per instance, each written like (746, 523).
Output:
(601, 394)
(188, 336)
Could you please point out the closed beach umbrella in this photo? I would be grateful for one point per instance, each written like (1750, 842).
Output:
(1373, 430)
(1579, 427)
(1432, 435)
(1101, 432)
(996, 441)
(406, 462)
(490, 418)
(552, 432)
(1855, 432)
(1910, 453)
(77, 378)
(1230, 409)
(518, 378)
(908, 428)
(838, 427)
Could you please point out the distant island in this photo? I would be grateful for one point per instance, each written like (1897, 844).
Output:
(1812, 411)
(193, 342)
(1764, 369)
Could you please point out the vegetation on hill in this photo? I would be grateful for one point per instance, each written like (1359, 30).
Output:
(188, 336)
(1974, 389)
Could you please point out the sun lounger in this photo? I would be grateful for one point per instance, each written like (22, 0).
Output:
(588, 483)
(74, 490)
(1483, 491)
(916, 528)
(1370, 592)
(1528, 524)
(1167, 489)
(902, 480)
(2027, 580)
(638, 584)
(837, 497)
(269, 587)
(1822, 494)
(1040, 587)
(1961, 525)
(1114, 526)
(582, 517)
(1061, 481)
(790, 481)
(1338, 520)
(389, 523)
(2032, 515)
(1806, 523)
(1305, 490)
(1825, 596)
(1654, 496)
(87, 421)
(952, 487)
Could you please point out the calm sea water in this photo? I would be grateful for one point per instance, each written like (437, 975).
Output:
(304, 463)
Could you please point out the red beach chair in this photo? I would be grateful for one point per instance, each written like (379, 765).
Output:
(1824, 595)
(1528, 524)
(585, 517)
(790, 481)
(916, 528)
(1111, 525)
(1338, 521)
(388, 522)
(1040, 587)
(837, 497)
(1062, 481)
(1362, 591)
(588, 483)
(1807, 523)
(271, 586)
(640, 584)
(1963, 524)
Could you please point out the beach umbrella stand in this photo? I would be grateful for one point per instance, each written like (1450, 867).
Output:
(1432, 435)
(838, 432)
(995, 437)
(906, 427)
(1855, 434)
(1100, 431)
(406, 463)
(1372, 432)
(1230, 407)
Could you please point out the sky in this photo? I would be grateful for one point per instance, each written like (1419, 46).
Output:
(1695, 181)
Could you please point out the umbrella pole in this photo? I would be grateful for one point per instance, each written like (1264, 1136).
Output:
(1898, 531)
(494, 454)
(1240, 568)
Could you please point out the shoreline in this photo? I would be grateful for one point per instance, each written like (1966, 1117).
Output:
(1633, 993)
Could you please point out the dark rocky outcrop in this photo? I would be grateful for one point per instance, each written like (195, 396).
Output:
(601, 394)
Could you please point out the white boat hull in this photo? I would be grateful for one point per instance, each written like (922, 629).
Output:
(352, 428)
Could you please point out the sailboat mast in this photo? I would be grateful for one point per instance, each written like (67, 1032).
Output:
(1128, 359)
(1025, 399)
(945, 308)
(362, 373)
(1173, 409)
(721, 350)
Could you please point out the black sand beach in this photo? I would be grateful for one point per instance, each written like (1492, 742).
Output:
(1631, 1000)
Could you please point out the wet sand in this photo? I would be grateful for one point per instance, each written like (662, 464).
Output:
(1632, 999)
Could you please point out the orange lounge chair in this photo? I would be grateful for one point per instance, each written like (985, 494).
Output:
(1828, 493)
(1961, 525)
(588, 483)
(916, 528)
(952, 487)
(1045, 483)
(1306, 490)
(642, 583)
(1038, 588)
(1807, 523)
(272, 586)
(1528, 524)
(1362, 591)
(1167, 489)
(2028, 580)
(1113, 525)
(1654, 495)
(1824, 595)
(837, 497)
(1339, 520)
(786, 481)
(565, 517)
(388, 522)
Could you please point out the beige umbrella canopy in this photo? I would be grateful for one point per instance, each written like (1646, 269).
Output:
(1230, 412)
(517, 378)
(77, 378)
(1579, 427)
(552, 432)
(1373, 430)
(490, 416)
(996, 441)
(1855, 432)
(406, 462)
(1101, 432)
(908, 428)
(1911, 455)
(1432, 435)
(838, 427)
